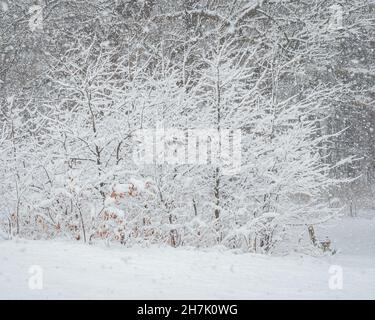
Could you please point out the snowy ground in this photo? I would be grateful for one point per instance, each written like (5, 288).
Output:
(78, 271)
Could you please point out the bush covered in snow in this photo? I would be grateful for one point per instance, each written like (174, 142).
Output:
(67, 160)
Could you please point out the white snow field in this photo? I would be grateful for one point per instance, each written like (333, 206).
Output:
(78, 271)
